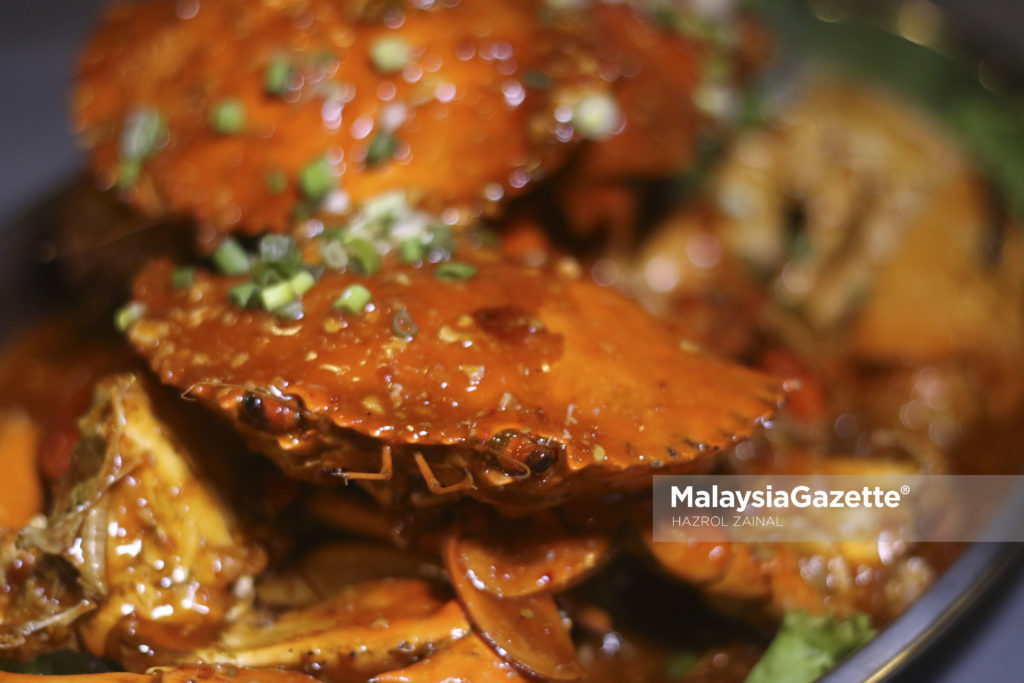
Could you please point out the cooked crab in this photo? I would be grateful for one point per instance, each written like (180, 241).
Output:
(516, 385)
(328, 104)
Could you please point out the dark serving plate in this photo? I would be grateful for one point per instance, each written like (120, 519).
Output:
(960, 600)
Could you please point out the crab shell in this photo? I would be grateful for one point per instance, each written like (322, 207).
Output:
(521, 385)
(468, 128)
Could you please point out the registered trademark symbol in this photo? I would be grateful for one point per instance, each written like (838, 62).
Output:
(904, 489)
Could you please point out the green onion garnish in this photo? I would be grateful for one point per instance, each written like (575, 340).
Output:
(128, 315)
(276, 296)
(292, 310)
(412, 251)
(274, 248)
(365, 255)
(182, 278)
(267, 274)
(389, 54)
(277, 182)
(228, 116)
(382, 148)
(128, 171)
(142, 133)
(334, 255)
(244, 295)
(353, 299)
(453, 271)
(231, 259)
(403, 326)
(316, 180)
(441, 243)
(302, 282)
(278, 77)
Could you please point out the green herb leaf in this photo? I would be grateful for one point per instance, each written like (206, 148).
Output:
(276, 296)
(365, 255)
(278, 77)
(317, 179)
(128, 315)
(293, 310)
(453, 271)
(183, 277)
(244, 295)
(275, 248)
(441, 244)
(807, 646)
(228, 116)
(382, 148)
(333, 254)
(403, 326)
(302, 282)
(231, 259)
(143, 130)
(353, 299)
(389, 54)
(412, 251)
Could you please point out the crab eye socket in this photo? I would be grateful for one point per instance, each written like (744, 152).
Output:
(267, 414)
(541, 459)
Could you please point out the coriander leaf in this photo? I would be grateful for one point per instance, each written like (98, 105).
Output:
(807, 646)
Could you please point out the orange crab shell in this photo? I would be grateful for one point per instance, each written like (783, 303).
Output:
(468, 126)
(554, 376)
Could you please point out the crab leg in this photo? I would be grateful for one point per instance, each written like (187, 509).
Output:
(433, 484)
(385, 473)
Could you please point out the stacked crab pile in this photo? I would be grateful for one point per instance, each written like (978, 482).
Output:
(370, 422)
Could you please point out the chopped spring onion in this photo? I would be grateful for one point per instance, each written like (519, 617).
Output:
(277, 182)
(317, 180)
(353, 299)
(334, 255)
(441, 243)
(231, 259)
(182, 278)
(142, 133)
(412, 251)
(278, 77)
(381, 149)
(364, 253)
(276, 296)
(274, 248)
(389, 54)
(453, 271)
(403, 327)
(128, 315)
(266, 274)
(597, 116)
(302, 282)
(228, 116)
(244, 295)
(292, 310)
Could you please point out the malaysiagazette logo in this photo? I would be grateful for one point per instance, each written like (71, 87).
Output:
(800, 497)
